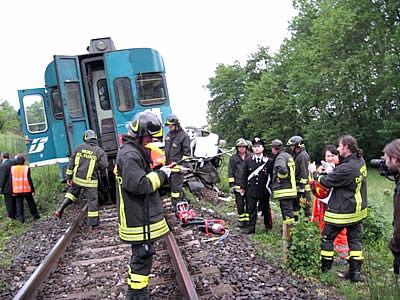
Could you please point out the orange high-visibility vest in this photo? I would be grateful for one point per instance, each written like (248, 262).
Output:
(20, 182)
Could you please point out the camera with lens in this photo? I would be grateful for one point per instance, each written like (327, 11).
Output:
(380, 164)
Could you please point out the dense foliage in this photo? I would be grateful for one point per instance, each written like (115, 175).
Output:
(9, 121)
(338, 73)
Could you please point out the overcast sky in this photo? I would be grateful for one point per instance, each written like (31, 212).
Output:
(193, 37)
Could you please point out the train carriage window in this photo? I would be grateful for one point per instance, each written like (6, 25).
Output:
(102, 90)
(35, 114)
(56, 104)
(73, 99)
(123, 92)
(151, 89)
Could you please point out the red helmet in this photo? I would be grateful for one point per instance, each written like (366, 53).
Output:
(319, 190)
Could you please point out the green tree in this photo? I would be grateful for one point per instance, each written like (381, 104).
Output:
(9, 121)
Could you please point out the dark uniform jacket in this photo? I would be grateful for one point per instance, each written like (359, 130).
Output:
(84, 164)
(135, 180)
(283, 177)
(5, 176)
(235, 169)
(177, 146)
(258, 185)
(302, 160)
(348, 202)
(394, 243)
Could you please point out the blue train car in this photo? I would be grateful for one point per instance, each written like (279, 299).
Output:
(101, 90)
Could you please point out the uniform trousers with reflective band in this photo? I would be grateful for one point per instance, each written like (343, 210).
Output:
(11, 206)
(265, 209)
(287, 209)
(92, 198)
(140, 267)
(241, 206)
(303, 201)
(176, 183)
(354, 238)
(19, 200)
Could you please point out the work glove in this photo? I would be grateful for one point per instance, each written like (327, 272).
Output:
(396, 262)
(166, 170)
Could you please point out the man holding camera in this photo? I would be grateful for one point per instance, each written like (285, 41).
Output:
(392, 161)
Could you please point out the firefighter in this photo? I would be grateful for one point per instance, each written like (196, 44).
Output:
(347, 206)
(255, 182)
(23, 188)
(392, 161)
(284, 183)
(177, 150)
(301, 161)
(82, 176)
(141, 218)
(235, 173)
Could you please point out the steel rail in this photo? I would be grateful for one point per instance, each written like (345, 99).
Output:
(32, 286)
(183, 277)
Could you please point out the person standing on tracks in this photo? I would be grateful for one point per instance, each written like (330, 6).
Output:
(177, 150)
(284, 184)
(235, 174)
(23, 188)
(82, 176)
(347, 206)
(255, 183)
(5, 185)
(141, 217)
(301, 161)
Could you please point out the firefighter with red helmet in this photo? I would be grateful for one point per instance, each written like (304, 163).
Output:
(301, 161)
(347, 206)
(177, 150)
(82, 176)
(141, 217)
(255, 182)
(235, 173)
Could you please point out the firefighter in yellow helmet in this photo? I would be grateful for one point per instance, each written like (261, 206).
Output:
(235, 174)
(141, 217)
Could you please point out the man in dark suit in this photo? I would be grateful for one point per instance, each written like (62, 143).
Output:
(5, 184)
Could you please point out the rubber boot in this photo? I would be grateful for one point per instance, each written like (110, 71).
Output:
(326, 264)
(142, 294)
(249, 229)
(67, 202)
(354, 273)
(241, 224)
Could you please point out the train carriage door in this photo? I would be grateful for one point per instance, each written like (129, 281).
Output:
(72, 98)
(35, 116)
(120, 75)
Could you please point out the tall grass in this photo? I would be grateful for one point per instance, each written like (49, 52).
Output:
(11, 143)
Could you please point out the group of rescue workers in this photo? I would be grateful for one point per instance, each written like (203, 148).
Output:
(339, 188)
(289, 178)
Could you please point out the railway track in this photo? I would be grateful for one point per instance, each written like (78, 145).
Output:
(94, 266)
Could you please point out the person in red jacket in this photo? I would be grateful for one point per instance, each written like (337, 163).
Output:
(23, 188)
(331, 156)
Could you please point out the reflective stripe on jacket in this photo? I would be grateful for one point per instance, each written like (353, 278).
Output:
(84, 164)
(136, 185)
(20, 181)
(348, 202)
(283, 180)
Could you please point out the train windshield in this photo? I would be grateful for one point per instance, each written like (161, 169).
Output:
(151, 89)
(34, 113)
